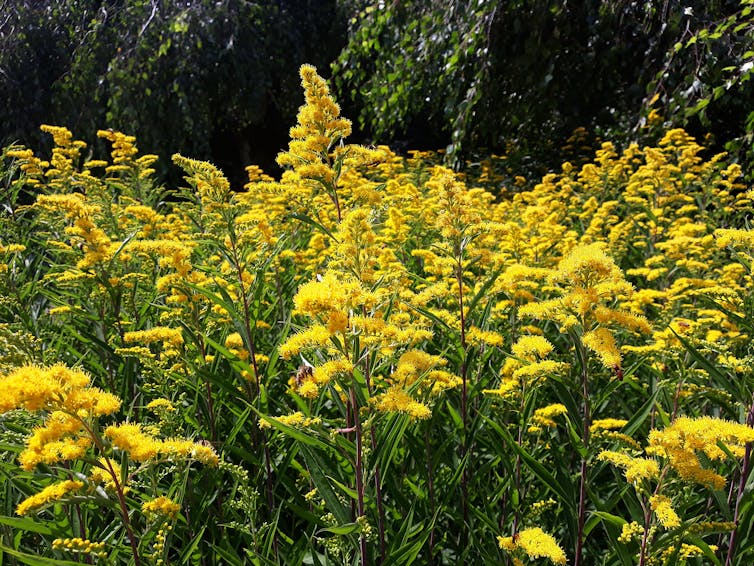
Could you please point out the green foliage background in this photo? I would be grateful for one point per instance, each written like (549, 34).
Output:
(212, 79)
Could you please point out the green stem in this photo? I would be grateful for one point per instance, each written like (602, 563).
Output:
(745, 468)
(118, 491)
(359, 472)
(464, 408)
(583, 360)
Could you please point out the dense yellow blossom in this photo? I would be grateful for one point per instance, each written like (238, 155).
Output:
(663, 508)
(607, 424)
(534, 543)
(398, 400)
(50, 494)
(545, 416)
(297, 419)
(529, 347)
(169, 336)
(630, 531)
(686, 438)
(636, 469)
(161, 506)
(143, 447)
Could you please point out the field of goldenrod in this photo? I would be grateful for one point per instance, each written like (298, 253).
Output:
(375, 360)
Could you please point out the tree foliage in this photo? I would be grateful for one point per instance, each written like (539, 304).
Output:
(484, 74)
(211, 78)
(202, 77)
(705, 76)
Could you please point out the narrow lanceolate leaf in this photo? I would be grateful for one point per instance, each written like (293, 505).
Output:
(294, 433)
(34, 560)
(567, 493)
(346, 529)
(192, 546)
(320, 468)
(25, 524)
(641, 415)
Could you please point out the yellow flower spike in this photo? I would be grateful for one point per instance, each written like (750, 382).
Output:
(663, 508)
(314, 336)
(630, 531)
(297, 419)
(168, 336)
(398, 400)
(607, 424)
(534, 543)
(545, 415)
(602, 342)
(531, 347)
(686, 437)
(129, 437)
(636, 469)
(161, 506)
(161, 405)
(50, 494)
(588, 267)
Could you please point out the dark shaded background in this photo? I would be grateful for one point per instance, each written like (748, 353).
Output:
(218, 80)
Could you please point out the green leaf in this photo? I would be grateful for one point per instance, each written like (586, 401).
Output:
(346, 529)
(565, 492)
(33, 560)
(192, 546)
(388, 446)
(315, 224)
(316, 465)
(26, 524)
(609, 518)
(641, 415)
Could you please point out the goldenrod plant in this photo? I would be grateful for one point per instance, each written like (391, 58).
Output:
(373, 359)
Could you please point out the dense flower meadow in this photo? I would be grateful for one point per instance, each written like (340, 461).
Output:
(375, 360)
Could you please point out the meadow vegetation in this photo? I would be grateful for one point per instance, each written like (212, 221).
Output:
(374, 359)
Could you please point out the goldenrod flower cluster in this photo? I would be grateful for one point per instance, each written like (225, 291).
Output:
(686, 439)
(50, 494)
(142, 446)
(69, 400)
(162, 506)
(297, 419)
(84, 546)
(534, 543)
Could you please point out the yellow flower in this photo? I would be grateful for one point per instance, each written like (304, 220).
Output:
(161, 506)
(636, 469)
(398, 400)
(601, 341)
(545, 415)
(587, 266)
(161, 405)
(607, 424)
(313, 336)
(169, 336)
(535, 543)
(476, 337)
(331, 293)
(131, 438)
(84, 546)
(51, 493)
(529, 347)
(297, 419)
(686, 437)
(630, 531)
(663, 508)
